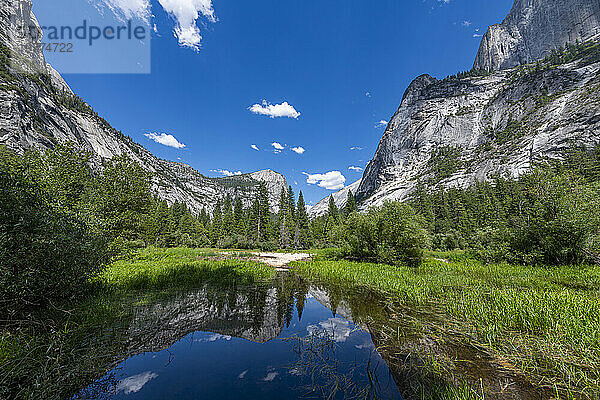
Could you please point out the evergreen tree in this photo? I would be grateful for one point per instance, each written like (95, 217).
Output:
(204, 218)
(217, 224)
(252, 220)
(282, 219)
(291, 202)
(304, 237)
(350, 204)
(238, 217)
(333, 211)
(228, 224)
(264, 214)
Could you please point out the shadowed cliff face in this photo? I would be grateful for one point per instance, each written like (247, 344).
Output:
(533, 28)
(38, 110)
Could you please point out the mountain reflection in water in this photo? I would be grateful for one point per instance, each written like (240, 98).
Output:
(283, 340)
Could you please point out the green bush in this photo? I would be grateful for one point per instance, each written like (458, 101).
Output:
(560, 221)
(45, 254)
(559, 224)
(390, 234)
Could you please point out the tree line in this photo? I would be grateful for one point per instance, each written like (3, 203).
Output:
(60, 220)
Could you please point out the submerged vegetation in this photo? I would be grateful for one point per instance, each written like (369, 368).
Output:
(543, 321)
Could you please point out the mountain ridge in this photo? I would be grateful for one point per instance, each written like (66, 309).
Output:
(501, 118)
(533, 28)
(39, 110)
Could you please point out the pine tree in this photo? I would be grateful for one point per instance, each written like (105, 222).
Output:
(304, 236)
(238, 217)
(228, 225)
(284, 234)
(217, 224)
(350, 204)
(262, 213)
(204, 218)
(333, 210)
(291, 202)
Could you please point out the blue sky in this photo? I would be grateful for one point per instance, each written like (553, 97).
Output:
(343, 65)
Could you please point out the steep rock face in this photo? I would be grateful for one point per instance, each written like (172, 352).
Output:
(340, 198)
(533, 28)
(18, 31)
(454, 132)
(38, 110)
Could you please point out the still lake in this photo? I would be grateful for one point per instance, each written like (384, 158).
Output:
(282, 340)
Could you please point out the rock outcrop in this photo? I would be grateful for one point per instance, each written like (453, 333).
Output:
(533, 28)
(38, 110)
(340, 198)
(456, 131)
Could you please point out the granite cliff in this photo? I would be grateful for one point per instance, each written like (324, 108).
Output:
(520, 105)
(534, 28)
(39, 110)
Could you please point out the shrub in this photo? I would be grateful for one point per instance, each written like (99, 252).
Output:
(562, 217)
(389, 234)
(558, 224)
(45, 254)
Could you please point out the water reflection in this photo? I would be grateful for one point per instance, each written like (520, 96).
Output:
(283, 340)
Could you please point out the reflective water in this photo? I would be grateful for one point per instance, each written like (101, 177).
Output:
(276, 341)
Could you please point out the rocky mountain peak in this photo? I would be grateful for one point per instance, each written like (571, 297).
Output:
(415, 89)
(21, 33)
(39, 110)
(533, 28)
(472, 127)
(268, 175)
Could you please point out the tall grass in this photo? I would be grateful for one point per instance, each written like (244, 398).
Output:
(181, 268)
(545, 321)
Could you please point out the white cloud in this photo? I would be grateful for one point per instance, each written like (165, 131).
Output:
(332, 180)
(165, 139)
(270, 376)
(275, 110)
(216, 336)
(225, 172)
(381, 123)
(298, 150)
(134, 383)
(243, 374)
(357, 169)
(255, 147)
(466, 24)
(356, 148)
(337, 329)
(185, 14)
(128, 9)
(278, 146)
(368, 94)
